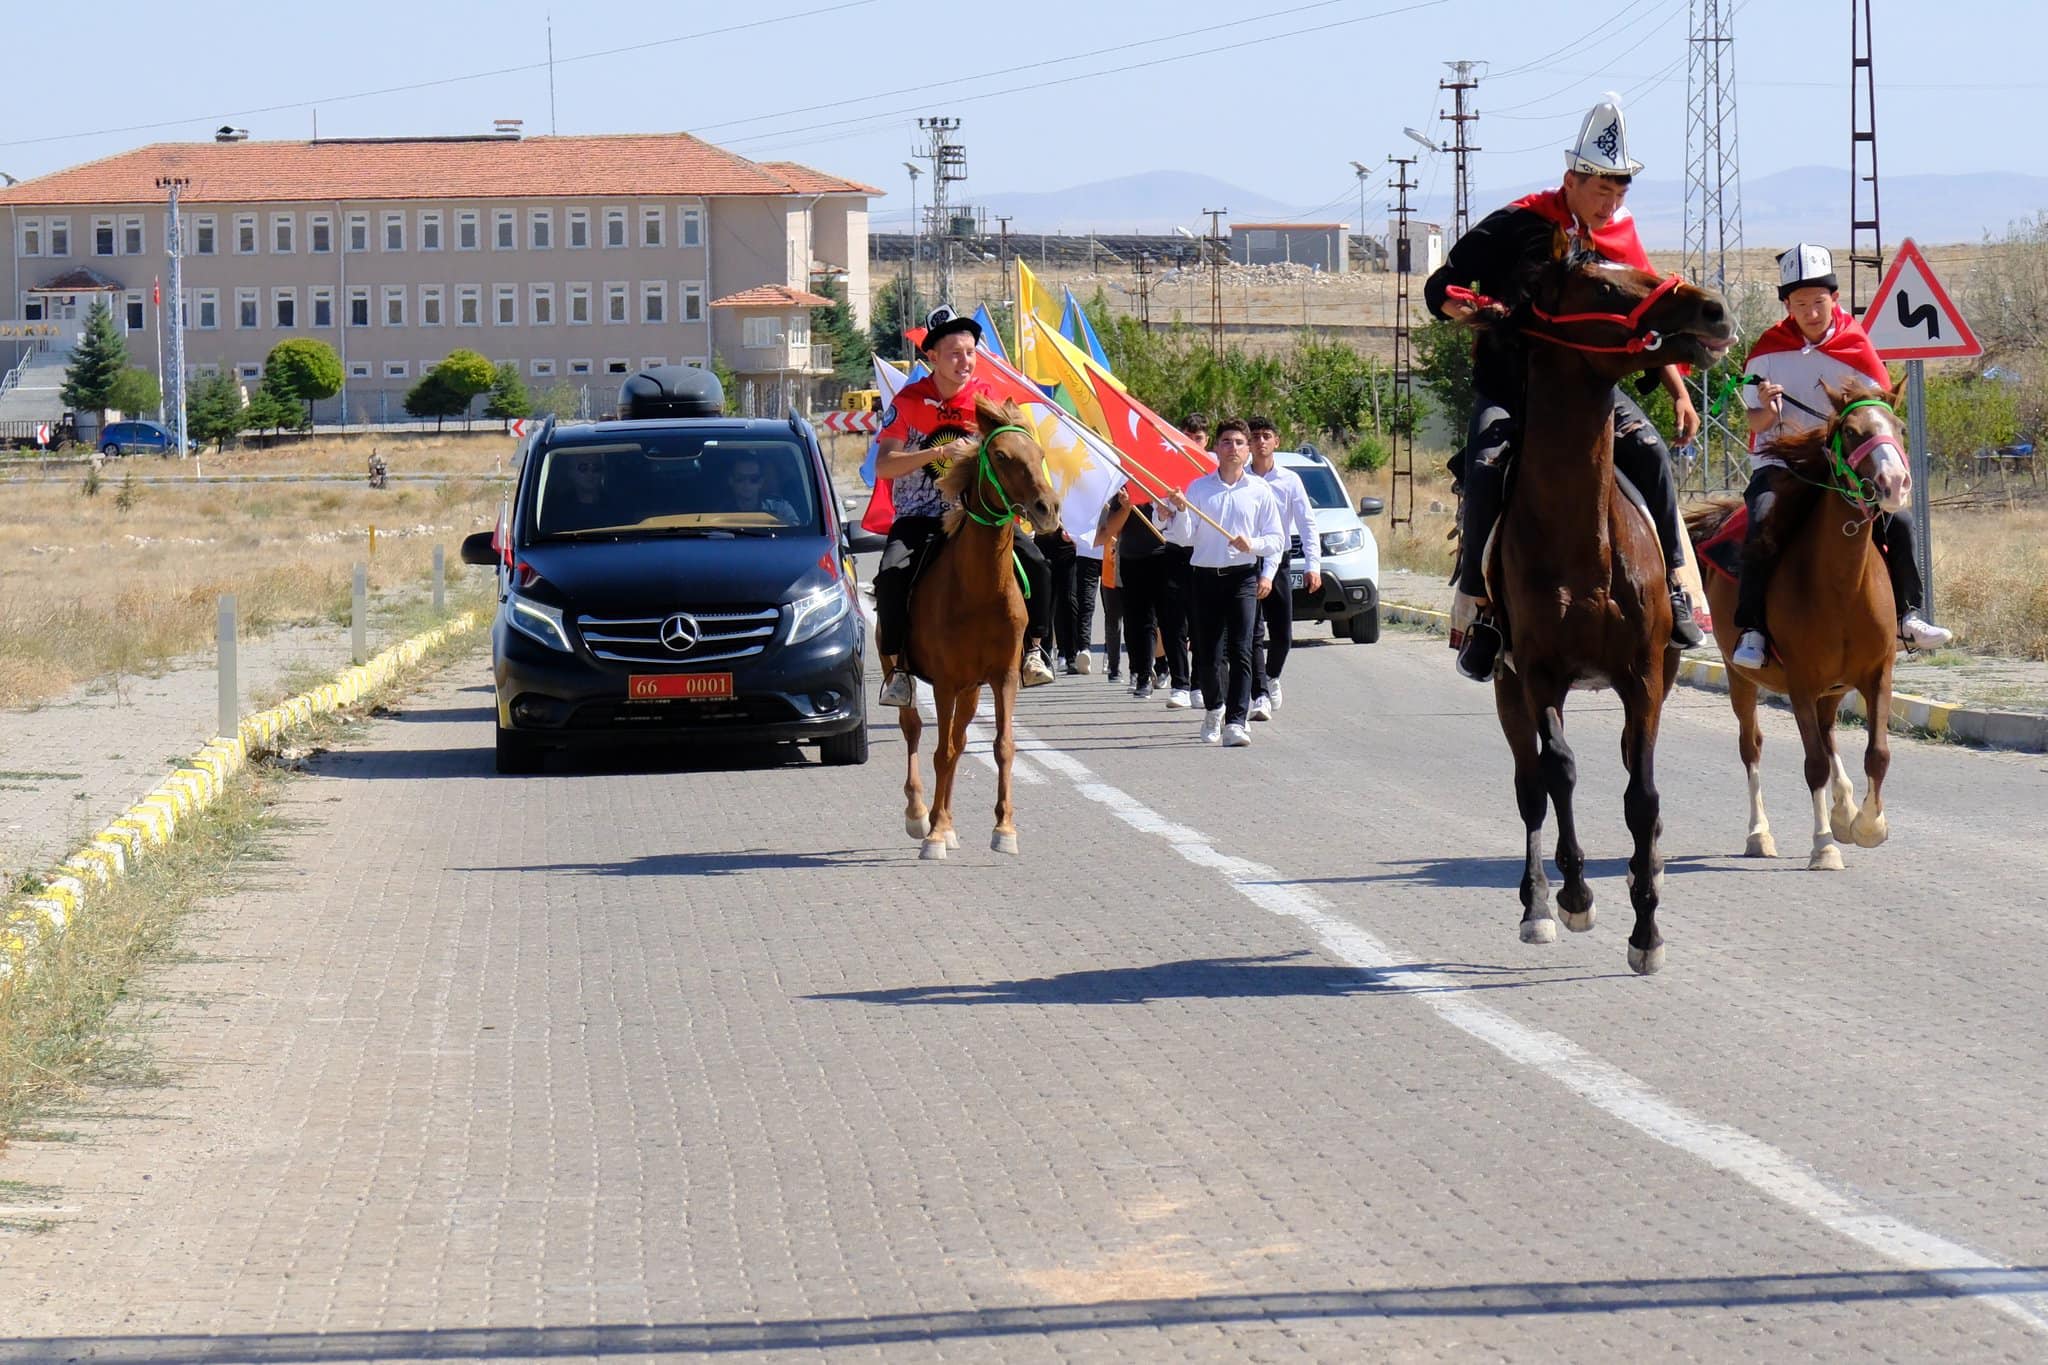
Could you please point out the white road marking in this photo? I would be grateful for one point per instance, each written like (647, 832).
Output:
(2020, 1294)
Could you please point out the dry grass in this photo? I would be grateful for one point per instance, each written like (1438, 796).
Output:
(89, 589)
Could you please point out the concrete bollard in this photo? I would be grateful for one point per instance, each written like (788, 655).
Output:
(359, 616)
(230, 719)
(440, 580)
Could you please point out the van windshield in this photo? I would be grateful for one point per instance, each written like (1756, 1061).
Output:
(681, 483)
(1321, 483)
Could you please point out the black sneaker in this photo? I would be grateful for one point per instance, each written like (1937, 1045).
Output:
(1685, 632)
(1481, 650)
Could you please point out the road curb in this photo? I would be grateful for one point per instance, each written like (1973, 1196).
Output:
(2015, 730)
(153, 821)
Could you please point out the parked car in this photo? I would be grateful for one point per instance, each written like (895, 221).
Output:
(676, 578)
(141, 438)
(1350, 596)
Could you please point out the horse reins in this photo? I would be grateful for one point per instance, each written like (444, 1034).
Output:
(1639, 342)
(984, 472)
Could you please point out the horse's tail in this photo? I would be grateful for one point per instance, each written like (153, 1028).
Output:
(1704, 520)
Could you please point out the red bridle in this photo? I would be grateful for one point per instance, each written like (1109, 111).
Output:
(1638, 342)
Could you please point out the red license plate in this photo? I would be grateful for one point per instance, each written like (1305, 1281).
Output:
(689, 686)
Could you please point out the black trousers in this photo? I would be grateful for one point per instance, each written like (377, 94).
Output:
(1779, 504)
(1154, 609)
(1081, 633)
(910, 540)
(1181, 579)
(1226, 602)
(1492, 436)
(1274, 634)
(1059, 555)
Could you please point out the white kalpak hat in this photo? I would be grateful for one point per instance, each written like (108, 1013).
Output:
(1805, 266)
(1602, 148)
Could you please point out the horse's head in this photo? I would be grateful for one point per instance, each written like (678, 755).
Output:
(1867, 435)
(1009, 473)
(1624, 320)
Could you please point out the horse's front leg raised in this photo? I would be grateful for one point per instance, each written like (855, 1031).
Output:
(1825, 857)
(1532, 801)
(1742, 697)
(945, 761)
(1643, 809)
(917, 821)
(1868, 829)
(1004, 840)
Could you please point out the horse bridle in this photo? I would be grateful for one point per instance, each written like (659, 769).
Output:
(1640, 340)
(1859, 491)
(984, 473)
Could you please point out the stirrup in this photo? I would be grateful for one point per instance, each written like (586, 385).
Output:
(1480, 653)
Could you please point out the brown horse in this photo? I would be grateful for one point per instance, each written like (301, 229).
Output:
(1578, 572)
(1831, 614)
(967, 619)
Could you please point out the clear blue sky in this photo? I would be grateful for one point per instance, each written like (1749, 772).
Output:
(1282, 117)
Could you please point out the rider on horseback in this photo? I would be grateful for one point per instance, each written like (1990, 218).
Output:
(1494, 261)
(1814, 345)
(930, 425)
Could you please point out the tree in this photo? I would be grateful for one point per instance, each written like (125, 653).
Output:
(728, 382)
(437, 396)
(134, 392)
(274, 412)
(508, 394)
(894, 310)
(304, 370)
(214, 410)
(852, 352)
(1444, 365)
(96, 363)
(466, 373)
(556, 400)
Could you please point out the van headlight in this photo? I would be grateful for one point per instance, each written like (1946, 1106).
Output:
(814, 615)
(538, 622)
(1343, 542)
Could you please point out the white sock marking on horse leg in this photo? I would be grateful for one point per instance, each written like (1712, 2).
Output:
(1761, 844)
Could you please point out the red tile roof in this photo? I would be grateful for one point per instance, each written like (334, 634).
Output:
(810, 181)
(420, 168)
(772, 296)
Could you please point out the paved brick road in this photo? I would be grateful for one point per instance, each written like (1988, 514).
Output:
(630, 1061)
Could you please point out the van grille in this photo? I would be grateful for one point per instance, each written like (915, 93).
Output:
(722, 636)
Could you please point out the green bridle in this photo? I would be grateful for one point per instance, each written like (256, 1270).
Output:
(984, 473)
(1853, 486)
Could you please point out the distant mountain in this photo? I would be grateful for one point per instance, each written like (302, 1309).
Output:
(1147, 202)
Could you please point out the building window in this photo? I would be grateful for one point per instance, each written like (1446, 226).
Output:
(319, 233)
(359, 369)
(505, 305)
(359, 232)
(466, 230)
(692, 297)
(323, 307)
(394, 305)
(131, 236)
(693, 227)
(579, 305)
(579, 367)
(618, 366)
(248, 372)
(359, 305)
(203, 235)
(281, 233)
(284, 308)
(133, 309)
(60, 236)
(394, 232)
(430, 230)
(543, 369)
(205, 371)
(653, 302)
(614, 227)
(757, 333)
(245, 307)
(579, 229)
(209, 309)
(245, 234)
(430, 305)
(31, 236)
(650, 227)
(653, 362)
(469, 305)
(614, 302)
(541, 304)
(800, 329)
(394, 369)
(102, 236)
(504, 230)
(31, 308)
(540, 229)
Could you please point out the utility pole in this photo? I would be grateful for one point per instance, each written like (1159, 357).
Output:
(1713, 199)
(949, 167)
(1401, 445)
(1216, 279)
(910, 318)
(1866, 238)
(1461, 146)
(1142, 268)
(175, 184)
(1363, 171)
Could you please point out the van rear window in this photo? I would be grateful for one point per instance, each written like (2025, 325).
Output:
(685, 483)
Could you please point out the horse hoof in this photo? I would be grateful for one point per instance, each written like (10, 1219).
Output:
(952, 839)
(1827, 859)
(1761, 846)
(917, 826)
(1539, 931)
(1872, 834)
(934, 850)
(1645, 963)
(1578, 921)
(1003, 843)
(1843, 827)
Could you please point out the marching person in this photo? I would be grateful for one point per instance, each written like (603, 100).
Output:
(1060, 555)
(1113, 633)
(1275, 634)
(1233, 570)
(1087, 583)
(1151, 601)
(1494, 259)
(930, 425)
(1176, 602)
(1816, 343)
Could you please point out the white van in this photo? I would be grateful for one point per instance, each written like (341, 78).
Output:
(1350, 596)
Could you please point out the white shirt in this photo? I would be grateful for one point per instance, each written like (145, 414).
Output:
(1297, 515)
(1246, 508)
(1801, 373)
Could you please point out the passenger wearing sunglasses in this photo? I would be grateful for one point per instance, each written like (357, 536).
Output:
(743, 481)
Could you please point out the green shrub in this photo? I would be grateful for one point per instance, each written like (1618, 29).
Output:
(1369, 454)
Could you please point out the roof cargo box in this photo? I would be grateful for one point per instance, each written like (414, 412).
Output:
(671, 391)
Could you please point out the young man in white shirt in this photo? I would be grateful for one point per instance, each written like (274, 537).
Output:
(1274, 635)
(1233, 570)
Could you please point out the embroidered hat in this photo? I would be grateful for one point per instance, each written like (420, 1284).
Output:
(1602, 148)
(942, 323)
(1806, 266)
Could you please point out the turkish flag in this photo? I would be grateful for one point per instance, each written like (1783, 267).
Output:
(1157, 455)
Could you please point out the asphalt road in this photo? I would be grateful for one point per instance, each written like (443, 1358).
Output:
(1242, 1059)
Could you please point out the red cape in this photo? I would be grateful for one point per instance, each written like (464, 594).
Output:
(1849, 344)
(1617, 241)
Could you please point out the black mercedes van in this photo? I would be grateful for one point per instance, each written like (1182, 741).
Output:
(675, 576)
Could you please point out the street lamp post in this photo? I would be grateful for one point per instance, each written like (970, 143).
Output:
(175, 237)
(910, 288)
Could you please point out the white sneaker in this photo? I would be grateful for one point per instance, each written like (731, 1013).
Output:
(1084, 662)
(1236, 736)
(900, 690)
(1750, 653)
(1920, 633)
(1212, 728)
(1033, 672)
(1180, 699)
(1273, 692)
(1262, 708)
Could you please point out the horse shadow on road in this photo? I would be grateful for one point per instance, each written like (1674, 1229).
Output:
(1492, 874)
(725, 863)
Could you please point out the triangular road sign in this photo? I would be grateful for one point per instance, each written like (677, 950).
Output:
(1913, 318)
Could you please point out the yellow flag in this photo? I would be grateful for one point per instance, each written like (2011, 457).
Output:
(1032, 298)
(1046, 357)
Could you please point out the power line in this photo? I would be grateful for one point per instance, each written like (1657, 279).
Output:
(1585, 42)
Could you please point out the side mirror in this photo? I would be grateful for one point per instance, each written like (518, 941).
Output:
(478, 550)
(1370, 507)
(861, 541)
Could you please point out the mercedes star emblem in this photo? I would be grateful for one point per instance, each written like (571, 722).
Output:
(680, 633)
